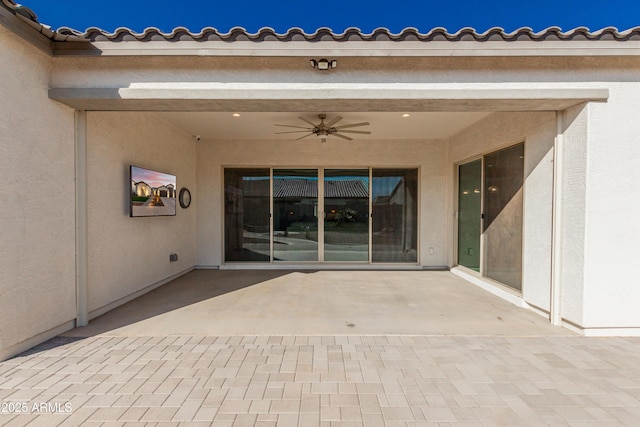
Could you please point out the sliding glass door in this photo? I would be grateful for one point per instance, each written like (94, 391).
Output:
(395, 215)
(502, 226)
(321, 215)
(490, 215)
(246, 215)
(346, 219)
(469, 214)
(295, 215)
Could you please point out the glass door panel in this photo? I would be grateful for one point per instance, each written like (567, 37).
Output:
(346, 221)
(469, 214)
(395, 215)
(502, 225)
(246, 215)
(295, 215)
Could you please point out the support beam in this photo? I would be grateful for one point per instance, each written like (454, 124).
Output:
(82, 318)
(557, 223)
(266, 97)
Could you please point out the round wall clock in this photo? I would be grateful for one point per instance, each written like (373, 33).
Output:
(184, 198)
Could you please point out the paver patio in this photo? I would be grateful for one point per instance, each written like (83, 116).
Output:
(122, 370)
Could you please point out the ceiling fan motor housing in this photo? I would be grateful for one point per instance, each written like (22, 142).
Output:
(323, 129)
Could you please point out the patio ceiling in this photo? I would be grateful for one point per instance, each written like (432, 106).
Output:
(206, 109)
(391, 125)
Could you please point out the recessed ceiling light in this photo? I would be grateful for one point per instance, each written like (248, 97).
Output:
(236, 114)
(406, 115)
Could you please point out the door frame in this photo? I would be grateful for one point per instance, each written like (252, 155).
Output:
(321, 262)
(481, 156)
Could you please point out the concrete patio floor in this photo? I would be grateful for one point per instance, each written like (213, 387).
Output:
(224, 302)
(328, 349)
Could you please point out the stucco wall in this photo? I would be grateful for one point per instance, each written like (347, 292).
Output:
(428, 155)
(612, 203)
(575, 132)
(127, 254)
(599, 275)
(37, 247)
(557, 72)
(538, 131)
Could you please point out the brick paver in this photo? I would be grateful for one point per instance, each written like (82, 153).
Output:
(324, 381)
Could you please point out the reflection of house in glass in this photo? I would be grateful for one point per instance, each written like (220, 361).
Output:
(297, 200)
(395, 215)
(296, 206)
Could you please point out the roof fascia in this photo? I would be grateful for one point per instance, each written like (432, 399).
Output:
(23, 29)
(292, 97)
(526, 48)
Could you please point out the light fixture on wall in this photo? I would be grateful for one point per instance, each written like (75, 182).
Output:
(323, 64)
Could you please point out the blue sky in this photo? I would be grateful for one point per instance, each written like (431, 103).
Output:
(335, 14)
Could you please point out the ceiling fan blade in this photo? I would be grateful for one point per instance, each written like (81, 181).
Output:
(364, 132)
(342, 136)
(306, 121)
(291, 131)
(298, 139)
(352, 125)
(333, 121)
(289, 126)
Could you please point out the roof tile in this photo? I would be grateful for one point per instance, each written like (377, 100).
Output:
(323, 34)
(354, 34)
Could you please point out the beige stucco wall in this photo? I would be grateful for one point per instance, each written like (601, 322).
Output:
(538, 131)
(427, 155)
(88, 72)
(126, 254)
(574, 190)
(37, 247)
(612, 205)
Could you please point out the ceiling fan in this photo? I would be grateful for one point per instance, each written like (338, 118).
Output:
(322, 129)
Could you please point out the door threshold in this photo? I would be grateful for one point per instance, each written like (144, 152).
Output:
(323, 266)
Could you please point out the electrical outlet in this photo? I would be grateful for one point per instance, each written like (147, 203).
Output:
(173, 257)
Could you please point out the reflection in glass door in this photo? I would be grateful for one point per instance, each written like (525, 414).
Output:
(246, 215)
(395, 215)
(295, 215)
(273, 215)
(469, 214)
(346, 221)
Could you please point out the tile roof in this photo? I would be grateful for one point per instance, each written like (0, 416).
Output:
(297, 188)
(294, 188)
(345, 189)
(19, 10)
(355, 34)
(30, 18)
(322, 34)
